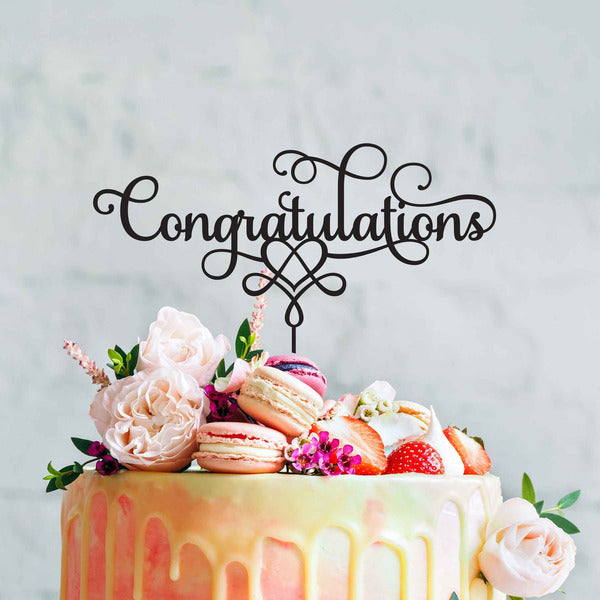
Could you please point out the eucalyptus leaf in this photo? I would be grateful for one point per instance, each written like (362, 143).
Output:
(569, 499)
(561, 522)
(528, 491)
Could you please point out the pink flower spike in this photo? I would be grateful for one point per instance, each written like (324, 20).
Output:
(259, 306)
(98, 376)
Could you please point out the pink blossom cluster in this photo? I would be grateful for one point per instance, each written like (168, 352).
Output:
(98, 376)
(319, 455)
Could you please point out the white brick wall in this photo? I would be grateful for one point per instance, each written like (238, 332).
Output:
(501, 100)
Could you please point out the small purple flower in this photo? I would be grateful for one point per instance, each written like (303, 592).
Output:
(97, 449)
(107, 465)
(348, 461)
(328, 464)
(324, 445)
(303, 458)
(222, 406)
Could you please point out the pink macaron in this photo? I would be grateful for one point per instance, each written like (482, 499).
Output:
(229, 447)
(279, 400)
(301, 368)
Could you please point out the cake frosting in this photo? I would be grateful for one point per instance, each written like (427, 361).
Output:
(275, 537)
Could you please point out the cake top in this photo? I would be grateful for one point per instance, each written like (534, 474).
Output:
(174, 399)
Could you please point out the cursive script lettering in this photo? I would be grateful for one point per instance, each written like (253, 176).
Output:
(401, 227)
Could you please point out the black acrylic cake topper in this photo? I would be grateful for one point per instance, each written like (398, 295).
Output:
(294, 235)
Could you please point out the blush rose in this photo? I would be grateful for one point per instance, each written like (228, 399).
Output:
(149, 421)
(525, 555)
(179, 340)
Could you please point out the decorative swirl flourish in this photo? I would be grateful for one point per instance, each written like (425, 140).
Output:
(294, 290)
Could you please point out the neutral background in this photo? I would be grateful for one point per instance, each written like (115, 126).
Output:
(498, 99)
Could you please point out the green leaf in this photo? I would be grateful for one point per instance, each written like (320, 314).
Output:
(120, 351)
(569, 499)
(538, 506)
(135, 351)
(561, 522)
(77, 468)
(51, 487)
(115, 356)
(252, 354)
(81, 444)
(221, 368)
(515, 598)
(528, 492)
(243, 334)
(454, 596)
(48, 477)
(51, 469)
(478, 440)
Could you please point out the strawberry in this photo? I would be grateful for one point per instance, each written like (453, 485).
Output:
(415, 457)
(363, 438)
(471, 451)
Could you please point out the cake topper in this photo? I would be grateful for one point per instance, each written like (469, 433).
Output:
(294, 248)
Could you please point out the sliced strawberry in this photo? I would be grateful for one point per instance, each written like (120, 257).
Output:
(415, 457)
(363, 438)
(472, 453)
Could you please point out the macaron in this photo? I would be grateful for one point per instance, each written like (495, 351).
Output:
(228, 447)
(301, 368)
(280, 400)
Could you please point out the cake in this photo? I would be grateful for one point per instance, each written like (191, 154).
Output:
(375, 500)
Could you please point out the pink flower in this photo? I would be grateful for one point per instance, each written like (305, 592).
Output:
(303, 457)
(347, 461)
(149, 421)
(178, 340)
(324, 445)
(525, 555)
(233, 382)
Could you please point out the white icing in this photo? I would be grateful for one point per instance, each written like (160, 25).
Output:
(434, 436)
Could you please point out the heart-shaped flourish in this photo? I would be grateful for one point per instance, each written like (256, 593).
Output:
(294, 290)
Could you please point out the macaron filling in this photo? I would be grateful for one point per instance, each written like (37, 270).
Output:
(284, 398)
(238, 449)
(295, 366)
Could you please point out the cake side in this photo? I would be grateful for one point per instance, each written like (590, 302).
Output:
(208, 536)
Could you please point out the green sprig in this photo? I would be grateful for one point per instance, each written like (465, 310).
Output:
(123, 363)
(244, 340)
(60, 479)
(528, 493)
